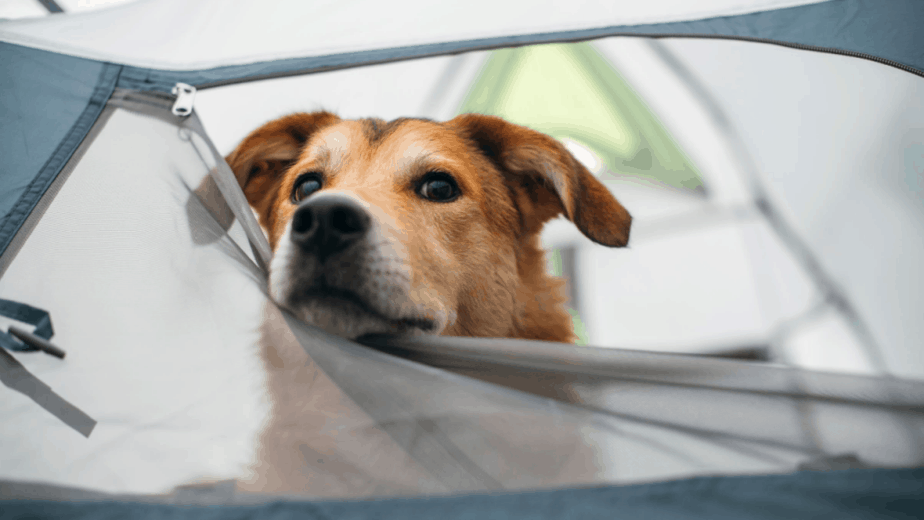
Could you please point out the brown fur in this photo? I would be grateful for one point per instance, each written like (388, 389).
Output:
(478, 256)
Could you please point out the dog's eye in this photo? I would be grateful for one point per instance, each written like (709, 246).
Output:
(438, 187)
(305, 186)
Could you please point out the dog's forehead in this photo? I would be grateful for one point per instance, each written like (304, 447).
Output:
(334, 142)
(412, 140)
(400, 142)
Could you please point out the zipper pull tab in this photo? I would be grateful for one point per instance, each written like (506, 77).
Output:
(185, 94)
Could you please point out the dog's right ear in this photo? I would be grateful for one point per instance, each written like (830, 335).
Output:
(263, 156)
(555, 181)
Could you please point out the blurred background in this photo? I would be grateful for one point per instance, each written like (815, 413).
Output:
(777, 223)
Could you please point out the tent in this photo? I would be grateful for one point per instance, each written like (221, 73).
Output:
(778, 211)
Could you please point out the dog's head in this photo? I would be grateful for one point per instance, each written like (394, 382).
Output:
(417, 226)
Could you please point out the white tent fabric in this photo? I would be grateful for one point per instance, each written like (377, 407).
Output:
(838, 155)
(136, 374)
(181, 35)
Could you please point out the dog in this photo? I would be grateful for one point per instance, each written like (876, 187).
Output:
(419, 227)
(407, 227)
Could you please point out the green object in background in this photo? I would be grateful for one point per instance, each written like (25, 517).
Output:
(570, 91)
(556, 268)
(553, 259)
(579, 330)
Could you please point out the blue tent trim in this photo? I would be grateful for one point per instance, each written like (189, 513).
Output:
(835, 494)
(49, 103)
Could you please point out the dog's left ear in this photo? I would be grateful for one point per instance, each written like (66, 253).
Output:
(534, 158)
(262, 158)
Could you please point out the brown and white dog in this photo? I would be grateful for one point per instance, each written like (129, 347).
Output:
(413, 226)
(407, 227)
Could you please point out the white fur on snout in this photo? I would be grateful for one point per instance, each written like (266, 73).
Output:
(279, 277)
(376, 269)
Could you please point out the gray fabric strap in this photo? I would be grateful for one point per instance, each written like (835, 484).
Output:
(606, 364)
(230, 189)
(16, 377)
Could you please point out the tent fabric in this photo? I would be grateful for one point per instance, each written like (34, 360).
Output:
(885, 31)
(838, 152)
(861, 27)
(209, 34)
(835, 494)
(135, 291)
(48, 105)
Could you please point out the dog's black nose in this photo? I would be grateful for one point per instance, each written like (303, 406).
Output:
(328, 225)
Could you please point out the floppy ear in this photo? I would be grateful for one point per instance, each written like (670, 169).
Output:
(263, 156)
(553, 179)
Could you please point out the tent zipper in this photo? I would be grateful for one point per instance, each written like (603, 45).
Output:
(185, 96)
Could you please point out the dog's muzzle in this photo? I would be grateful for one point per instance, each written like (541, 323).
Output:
(340, 270)
(327, 226)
